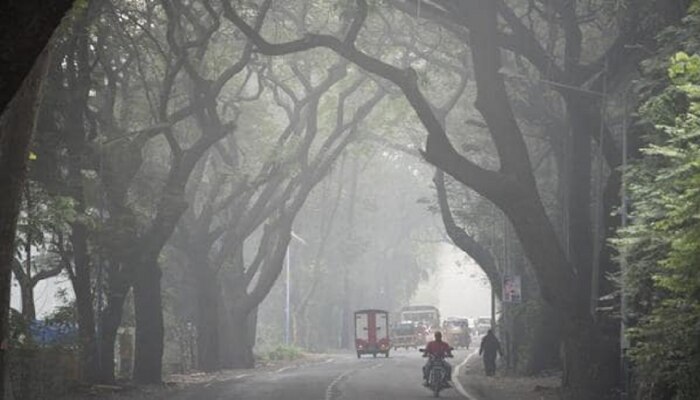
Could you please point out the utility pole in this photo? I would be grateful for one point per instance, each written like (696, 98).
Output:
(288, 285)
(287, 310)
(493, 289)
(493, 308)
(624, 342)
(100, 267)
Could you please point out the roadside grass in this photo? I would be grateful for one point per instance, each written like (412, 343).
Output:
(282, 353)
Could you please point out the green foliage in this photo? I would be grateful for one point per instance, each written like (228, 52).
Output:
(80, 5)
(284, 353)
(662, 243)
(42, 214)
(695, 7)
(684, 69)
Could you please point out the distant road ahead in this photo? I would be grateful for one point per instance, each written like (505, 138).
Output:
(341, 377)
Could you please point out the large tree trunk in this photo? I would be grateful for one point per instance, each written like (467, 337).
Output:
(241, 338)
(28, 307)
(238, 324)
(110, 319)
(546, 340)
(148, 310)
(586, 347)
(226, 336)
(82, 286)
(590, 362)
(76, 139)
(208, 309)
(148, 302)
(579, 207)
(16, 126)
(565, 288)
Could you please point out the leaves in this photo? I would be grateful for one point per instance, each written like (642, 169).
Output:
(42, 216)
(662, 243)
(684, 68)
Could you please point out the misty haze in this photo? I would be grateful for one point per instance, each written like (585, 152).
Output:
(350, 199)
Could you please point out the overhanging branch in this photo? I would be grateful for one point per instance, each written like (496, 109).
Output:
(463, 240)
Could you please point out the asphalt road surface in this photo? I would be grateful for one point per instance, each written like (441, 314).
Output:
(340, 377)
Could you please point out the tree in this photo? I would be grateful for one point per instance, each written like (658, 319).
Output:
(62, 144)
(21, 49)
(126, 121)
(513, 187)
(16, 127)
(660, 244)
(43, 219)
(466, 242)
(302, 156)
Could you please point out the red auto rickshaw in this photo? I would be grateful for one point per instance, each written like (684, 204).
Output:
(372, 332)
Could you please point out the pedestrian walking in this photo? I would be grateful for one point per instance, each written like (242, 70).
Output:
(490, 348)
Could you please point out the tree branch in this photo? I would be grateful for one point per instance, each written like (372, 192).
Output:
(46, 273)
(439, 151)
(463, 240)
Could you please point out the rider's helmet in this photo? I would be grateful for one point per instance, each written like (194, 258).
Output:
(438, 336)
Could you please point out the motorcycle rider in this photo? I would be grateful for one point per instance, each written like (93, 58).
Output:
(439, 349)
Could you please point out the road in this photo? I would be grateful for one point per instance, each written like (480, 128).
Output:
(340, 377)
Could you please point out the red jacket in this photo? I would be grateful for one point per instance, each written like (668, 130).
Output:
(440, 349)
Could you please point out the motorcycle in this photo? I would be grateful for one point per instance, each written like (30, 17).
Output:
(437, 374)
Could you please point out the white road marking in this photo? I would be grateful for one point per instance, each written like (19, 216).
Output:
(280, 370)
(376, 366)
(457, 383)
(332, 387)
(288, 367)
(241, 376)
(336, 381)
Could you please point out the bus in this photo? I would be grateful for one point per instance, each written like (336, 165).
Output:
(421, 314)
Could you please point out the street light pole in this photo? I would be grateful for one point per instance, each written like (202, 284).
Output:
(288, 284)
(287, 304)
(624, 342)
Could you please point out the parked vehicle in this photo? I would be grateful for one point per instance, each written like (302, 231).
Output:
(457, 332)
(372, 332)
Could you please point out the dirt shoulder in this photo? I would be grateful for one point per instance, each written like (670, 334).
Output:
(177, 385)
(502, 387)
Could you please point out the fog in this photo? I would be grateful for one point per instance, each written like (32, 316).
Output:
(265, 199)
(458, 287)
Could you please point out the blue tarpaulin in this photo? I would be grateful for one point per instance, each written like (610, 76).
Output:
(52, 333)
